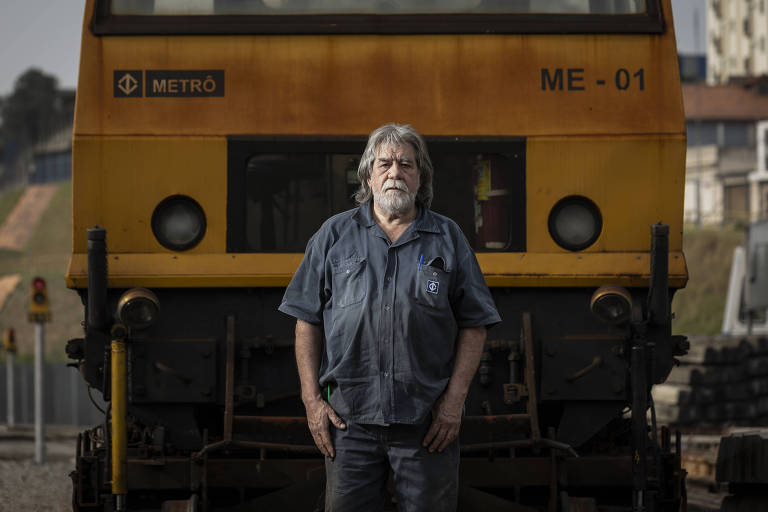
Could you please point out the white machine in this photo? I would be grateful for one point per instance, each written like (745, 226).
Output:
(746, 305)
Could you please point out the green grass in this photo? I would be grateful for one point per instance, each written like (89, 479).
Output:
(699, 306)
(46, 255)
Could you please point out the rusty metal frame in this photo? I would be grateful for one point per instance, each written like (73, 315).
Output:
(530, 377)
(229, 394)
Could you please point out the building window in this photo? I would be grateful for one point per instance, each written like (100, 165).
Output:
(735, 134)
(716, 7)
(51, 167)
(703, 133)
(721, 134)
(736, 203)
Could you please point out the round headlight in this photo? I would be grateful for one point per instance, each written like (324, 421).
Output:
(178, 223)
(575, 223)
(138, 308)
(611, 304)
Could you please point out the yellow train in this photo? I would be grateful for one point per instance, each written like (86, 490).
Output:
(213, 137)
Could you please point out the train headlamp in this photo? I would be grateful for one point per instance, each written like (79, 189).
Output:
(611, 304)
(575, 223)
(138, 308)
(178, 223)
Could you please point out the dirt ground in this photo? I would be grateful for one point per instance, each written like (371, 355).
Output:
(7, 285)
(21, 222)
(26, 486)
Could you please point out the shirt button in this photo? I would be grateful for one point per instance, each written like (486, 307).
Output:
(389, 278)
(433, 273)
(386, 307)
(386, 374)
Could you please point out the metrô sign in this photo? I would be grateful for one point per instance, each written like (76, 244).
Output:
(169, 83)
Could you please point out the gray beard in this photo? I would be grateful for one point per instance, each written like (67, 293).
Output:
(395, 203)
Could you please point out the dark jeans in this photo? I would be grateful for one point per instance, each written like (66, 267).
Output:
(357, 477)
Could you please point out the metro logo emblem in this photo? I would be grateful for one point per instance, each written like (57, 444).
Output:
(168, 83)
(127, 83)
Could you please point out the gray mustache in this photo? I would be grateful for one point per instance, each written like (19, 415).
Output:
(395, 184)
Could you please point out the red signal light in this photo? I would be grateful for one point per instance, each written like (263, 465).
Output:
(39, 307)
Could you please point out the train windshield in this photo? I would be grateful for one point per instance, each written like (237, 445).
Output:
(304, 7)
(212, 17)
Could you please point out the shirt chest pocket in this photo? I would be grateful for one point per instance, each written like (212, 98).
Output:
(432, 287)
(348, 282)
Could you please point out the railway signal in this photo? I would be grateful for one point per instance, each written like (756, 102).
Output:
(39, 314)
(39, 305)
(9, 341)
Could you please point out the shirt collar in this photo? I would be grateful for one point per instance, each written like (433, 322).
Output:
(424, 221)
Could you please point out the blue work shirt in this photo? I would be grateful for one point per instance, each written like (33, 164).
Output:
(390, 311)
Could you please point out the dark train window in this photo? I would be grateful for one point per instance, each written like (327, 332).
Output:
(293, 7)
(278, 199)
(289, 195)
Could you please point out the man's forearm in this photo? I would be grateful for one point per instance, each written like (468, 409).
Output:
(468, 353)
(446, 413)
(309, 343)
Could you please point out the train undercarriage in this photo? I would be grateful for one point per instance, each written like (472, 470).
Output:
(215, 423)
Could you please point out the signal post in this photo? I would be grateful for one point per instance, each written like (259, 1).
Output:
(9, 343)
(39, 314)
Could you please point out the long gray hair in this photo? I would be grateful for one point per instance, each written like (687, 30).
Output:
(396, 135)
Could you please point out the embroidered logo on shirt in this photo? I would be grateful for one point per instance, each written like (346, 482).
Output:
(432, 287)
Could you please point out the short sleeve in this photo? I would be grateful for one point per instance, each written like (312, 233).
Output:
(472, 303)
(306, 295)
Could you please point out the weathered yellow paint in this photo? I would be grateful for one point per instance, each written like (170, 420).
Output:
(349, 84)
(245, 270)
(624, 149)
(118, 182)
(635, 181)
(119, 424)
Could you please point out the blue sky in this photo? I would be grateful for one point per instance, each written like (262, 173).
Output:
(46, 34)
(686, 13)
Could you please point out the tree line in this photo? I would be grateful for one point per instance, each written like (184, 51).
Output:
(35, 109)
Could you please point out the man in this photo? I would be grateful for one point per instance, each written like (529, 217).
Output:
(391, 310)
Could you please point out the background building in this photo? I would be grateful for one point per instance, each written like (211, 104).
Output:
(52, 158)
(726, 175)
(736, 44)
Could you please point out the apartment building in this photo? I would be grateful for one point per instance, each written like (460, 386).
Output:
(727, 162)
(736, 43)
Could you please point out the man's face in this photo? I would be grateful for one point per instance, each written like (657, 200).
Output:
(395, 179)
